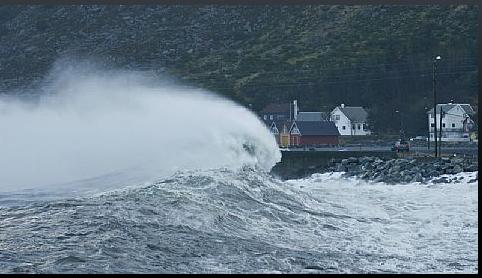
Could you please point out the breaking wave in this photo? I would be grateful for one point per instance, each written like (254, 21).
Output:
(91, 122)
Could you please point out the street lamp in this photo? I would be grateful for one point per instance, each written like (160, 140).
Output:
(435, 103)
(428, 131)
(402, 133)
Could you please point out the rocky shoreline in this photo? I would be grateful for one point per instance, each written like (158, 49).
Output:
(403, 170)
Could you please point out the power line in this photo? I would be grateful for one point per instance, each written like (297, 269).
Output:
(295, 84)
(360, 75)
(331, 69)
(321, 71)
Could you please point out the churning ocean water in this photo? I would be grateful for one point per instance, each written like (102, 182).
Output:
(115, 173)
(245, 221)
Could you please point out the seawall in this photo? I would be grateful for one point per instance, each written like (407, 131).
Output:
(298, 164)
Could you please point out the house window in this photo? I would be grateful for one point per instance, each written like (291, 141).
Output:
(443, 125)
(271, 117)
(343, 127)
(359, 126)
(337, 117)
(453, 125)
(352, 126)
(295, 131)
(364, 127)
(431, 125)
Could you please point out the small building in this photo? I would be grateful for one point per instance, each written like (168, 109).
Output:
(456, 122)
(291, 127)
(280, 130)
(350, 120)
(306, 133)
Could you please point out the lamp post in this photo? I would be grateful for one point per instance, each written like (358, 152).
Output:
(428, 131)
(435, 102)
(402, 133)
(442, 115)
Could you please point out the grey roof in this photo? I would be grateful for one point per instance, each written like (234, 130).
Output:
(354, 113)
(313, 116)
(446, 107)
(468, 109)
(309, 116)
(325, 116)
(317, 128)
(277, 108)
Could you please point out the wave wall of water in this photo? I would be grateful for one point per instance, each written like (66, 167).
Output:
(91, 122)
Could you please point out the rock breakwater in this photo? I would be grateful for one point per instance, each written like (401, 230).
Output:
(403, 170)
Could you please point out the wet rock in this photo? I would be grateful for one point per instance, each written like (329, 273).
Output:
(441, 180)
(404, 170)
(457, 169)
(471, 168)
(352, 160)
(417, 178)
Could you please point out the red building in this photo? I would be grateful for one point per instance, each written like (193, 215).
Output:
(313, 133)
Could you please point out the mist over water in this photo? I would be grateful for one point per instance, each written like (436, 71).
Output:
(92, 122)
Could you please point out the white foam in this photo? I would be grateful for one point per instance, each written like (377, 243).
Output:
(96, 122)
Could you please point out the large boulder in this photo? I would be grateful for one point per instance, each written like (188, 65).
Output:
(471, 168)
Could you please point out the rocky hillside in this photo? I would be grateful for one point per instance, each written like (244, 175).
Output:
(375, 56)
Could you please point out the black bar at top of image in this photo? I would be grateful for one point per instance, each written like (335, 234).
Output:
(244, 2)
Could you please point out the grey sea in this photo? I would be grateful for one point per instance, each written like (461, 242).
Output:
(243, 221)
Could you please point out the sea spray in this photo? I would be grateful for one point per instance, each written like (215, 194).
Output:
(245, 221)
(91, 122)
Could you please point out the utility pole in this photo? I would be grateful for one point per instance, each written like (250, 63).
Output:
(402, 132)
(428, 133)
(440, 135)
(428, 140)
(435, 103)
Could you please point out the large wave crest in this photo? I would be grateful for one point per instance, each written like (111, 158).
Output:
(91, 122)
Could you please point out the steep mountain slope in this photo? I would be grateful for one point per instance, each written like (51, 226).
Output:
(376, 56)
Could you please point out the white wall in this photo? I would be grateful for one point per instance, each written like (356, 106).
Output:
(454, 116)
(344, 121)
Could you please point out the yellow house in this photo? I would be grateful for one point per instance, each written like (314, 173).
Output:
(280, 130)
(284, 136)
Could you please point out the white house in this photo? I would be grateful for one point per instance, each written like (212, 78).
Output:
(350, 120)
(456, 122)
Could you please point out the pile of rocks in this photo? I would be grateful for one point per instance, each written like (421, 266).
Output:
(401, 170)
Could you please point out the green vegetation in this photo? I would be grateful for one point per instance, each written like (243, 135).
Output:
(376, 56)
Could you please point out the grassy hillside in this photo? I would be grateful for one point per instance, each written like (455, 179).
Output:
(376, 56)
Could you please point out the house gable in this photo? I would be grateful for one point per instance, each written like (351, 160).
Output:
(459, 109)
(341, 121)
(294, 130)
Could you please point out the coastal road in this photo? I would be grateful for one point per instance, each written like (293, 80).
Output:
(468, 149)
